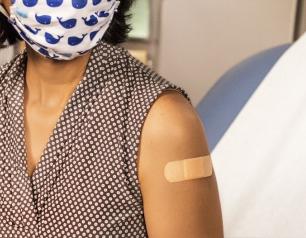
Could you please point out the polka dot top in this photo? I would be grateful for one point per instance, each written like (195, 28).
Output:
(85, 184)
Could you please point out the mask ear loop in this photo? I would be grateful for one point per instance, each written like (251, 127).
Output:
(3, 11)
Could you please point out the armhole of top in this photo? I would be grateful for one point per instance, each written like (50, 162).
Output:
(176, 89)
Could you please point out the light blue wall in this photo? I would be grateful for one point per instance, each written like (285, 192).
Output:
(140, 20)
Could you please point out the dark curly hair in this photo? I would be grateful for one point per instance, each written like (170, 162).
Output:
(116, 33)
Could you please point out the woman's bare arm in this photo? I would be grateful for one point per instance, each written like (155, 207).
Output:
(173, 131)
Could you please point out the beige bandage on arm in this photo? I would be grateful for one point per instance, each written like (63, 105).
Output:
(187, 169)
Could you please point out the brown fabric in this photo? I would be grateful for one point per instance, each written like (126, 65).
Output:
(86, 183)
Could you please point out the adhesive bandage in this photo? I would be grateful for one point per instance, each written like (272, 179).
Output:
(187, 169)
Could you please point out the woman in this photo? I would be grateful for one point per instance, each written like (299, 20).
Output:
(86, 131)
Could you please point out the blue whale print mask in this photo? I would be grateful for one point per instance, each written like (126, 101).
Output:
(62, 29)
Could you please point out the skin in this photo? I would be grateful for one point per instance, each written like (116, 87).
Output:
(183, 209)
(189, 208)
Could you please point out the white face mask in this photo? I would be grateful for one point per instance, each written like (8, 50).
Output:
(62, 29)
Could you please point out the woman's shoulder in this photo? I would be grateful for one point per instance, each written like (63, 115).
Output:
(143, 79)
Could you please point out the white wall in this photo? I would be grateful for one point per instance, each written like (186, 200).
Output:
(201, 39)
(6, 54)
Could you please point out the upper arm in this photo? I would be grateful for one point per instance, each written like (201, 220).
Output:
(191, 208)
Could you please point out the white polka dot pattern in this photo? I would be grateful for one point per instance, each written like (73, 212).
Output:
(86, 183)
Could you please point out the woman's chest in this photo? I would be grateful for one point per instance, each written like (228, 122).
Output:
(39, 124)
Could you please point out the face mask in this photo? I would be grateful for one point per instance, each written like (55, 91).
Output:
(62, 29)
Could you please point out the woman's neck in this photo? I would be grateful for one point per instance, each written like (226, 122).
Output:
(49, 83)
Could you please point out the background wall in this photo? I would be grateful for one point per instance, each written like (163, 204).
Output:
(202, 39)
(7, 54)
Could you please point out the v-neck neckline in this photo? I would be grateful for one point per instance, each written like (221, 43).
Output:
(56, 154)
(22, 81)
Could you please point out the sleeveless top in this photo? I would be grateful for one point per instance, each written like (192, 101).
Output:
(85, 184)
